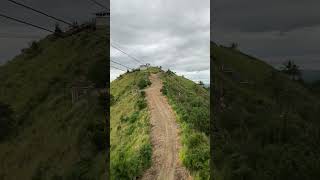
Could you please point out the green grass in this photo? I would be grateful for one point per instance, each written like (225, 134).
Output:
(268, 129)
(131, 148)
(191, 104)
(52, 137)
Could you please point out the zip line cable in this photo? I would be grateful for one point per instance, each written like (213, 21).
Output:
(27, 23)
(117, 68)
(127, 54)
(99, 4)
(120, 64)
(40, 12)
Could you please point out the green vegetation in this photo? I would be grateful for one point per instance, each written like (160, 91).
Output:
(191, 103)
(131, 148)
(265, 126)
(53, 138)
(6, 121)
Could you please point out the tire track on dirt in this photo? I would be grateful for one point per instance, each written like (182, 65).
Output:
(164, 136)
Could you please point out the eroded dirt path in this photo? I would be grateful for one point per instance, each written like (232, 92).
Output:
(165, 137)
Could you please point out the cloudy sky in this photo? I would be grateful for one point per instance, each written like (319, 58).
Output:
(172, 34)
(272, 30)
(14, 36)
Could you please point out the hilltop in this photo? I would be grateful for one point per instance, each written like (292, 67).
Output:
(54, 96)
(131, 146)
(265, 125)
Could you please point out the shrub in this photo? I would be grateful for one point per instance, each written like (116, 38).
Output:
(143, 94)
(134, 117)
(142, 84)
(112, 100)
(146, 154)
(196, 154)
(102, 99)
(128, 166)
(6, 121)
(98, 73)
(99, 137)
(130, 119)
(57, 30)
(124, 119)
(141, 104)
(164, 90)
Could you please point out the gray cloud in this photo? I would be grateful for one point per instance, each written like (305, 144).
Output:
(272, 30)
(171, 34)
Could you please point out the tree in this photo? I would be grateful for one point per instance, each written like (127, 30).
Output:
(234, 45)
(75, 24)
(291, 69)
(57, 30)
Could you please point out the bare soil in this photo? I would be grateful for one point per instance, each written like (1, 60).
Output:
(165, 137)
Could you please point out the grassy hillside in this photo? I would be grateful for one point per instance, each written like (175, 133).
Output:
(50, 137)
(130, 129)
(191, 103)
(131, 148)
(266, 126)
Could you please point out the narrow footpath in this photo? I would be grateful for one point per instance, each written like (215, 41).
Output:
(165, 137)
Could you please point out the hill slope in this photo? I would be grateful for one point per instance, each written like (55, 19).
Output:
(265, 125)
(50, 136)
(130, 123)
(131, 148)
(130, 152)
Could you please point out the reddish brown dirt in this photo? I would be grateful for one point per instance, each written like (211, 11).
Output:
(165, 137)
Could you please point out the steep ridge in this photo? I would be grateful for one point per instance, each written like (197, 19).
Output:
(265, 126)
(140, 136)
(55, 89)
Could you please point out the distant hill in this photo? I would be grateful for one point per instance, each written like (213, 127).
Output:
(57, 128)
(310, 76)
(265, 126)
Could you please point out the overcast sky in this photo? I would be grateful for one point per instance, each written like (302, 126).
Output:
(14, 36)
(272, 30)
(172, 34)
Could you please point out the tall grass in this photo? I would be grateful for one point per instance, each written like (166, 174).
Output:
(131, 148)
(191, 104)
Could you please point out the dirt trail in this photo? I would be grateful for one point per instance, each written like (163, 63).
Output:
(165, 137)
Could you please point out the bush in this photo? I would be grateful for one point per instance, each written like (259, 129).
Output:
(141, 104)
(146, 154)
(102, 99)
(112, 99)
(164, 90)
(142, 84)
(99, 137)
(6, 121)
(143, 94)
(130, 119)
(128, 166)
(98, 73)
(134, 117)
(196, 154)
(97, 134)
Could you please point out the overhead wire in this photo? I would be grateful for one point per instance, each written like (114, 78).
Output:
(132, 57)
(117, 68)
(120, 64)
(27, 23)
(40, 12)
(99, 4)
